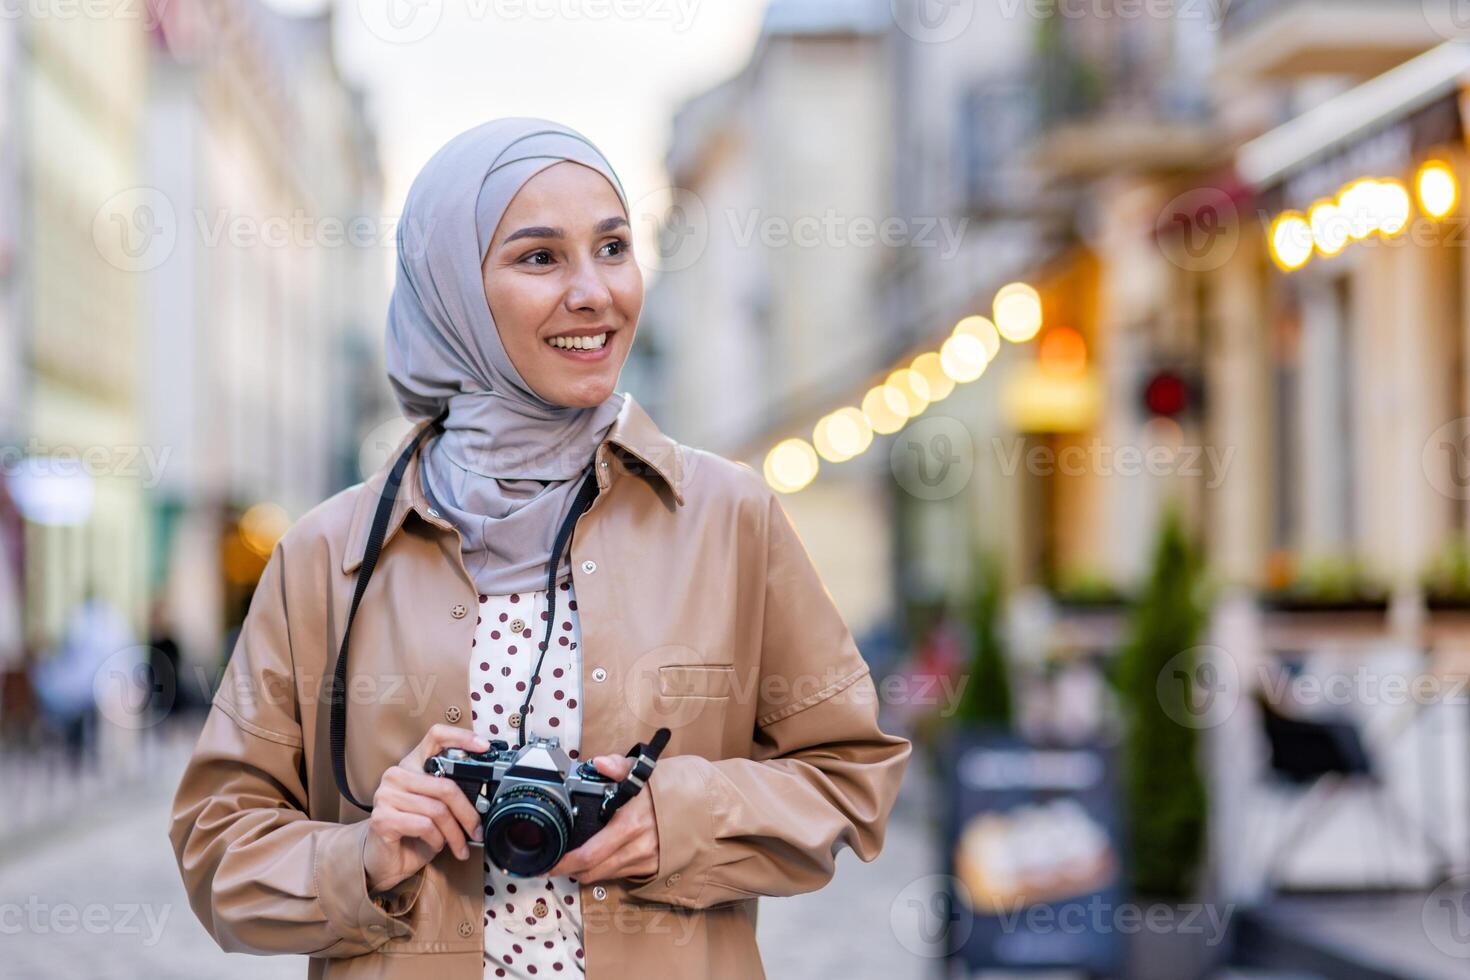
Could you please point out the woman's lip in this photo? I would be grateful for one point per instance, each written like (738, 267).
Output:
(586, 333)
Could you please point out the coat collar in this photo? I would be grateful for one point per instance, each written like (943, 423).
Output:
(632, 430)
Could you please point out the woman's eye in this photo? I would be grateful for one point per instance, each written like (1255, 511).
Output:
(620, 244)
(538, 254)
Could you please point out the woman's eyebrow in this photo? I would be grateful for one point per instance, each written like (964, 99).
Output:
(542, 231)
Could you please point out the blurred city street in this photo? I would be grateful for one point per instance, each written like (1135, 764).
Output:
(1110, 360)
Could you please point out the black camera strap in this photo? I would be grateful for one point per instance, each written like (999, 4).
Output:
(338, 691)
(646, 755)
(584, 499)
(386, 500)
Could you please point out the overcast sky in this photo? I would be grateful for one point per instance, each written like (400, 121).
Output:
(433, 68)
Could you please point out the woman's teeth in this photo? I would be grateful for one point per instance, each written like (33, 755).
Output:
(579, 343)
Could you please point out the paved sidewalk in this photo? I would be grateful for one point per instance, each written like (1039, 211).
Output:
(100, 897)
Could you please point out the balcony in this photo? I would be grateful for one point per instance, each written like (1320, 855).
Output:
(1126, 104)
(1276, 39)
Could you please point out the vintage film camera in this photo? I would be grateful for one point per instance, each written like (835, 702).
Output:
(536, 803)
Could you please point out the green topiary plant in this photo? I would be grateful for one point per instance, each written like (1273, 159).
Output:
(1164, 795)
(1447, 578)
(986, 701)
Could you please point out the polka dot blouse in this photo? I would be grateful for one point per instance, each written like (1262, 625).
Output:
(533, 926)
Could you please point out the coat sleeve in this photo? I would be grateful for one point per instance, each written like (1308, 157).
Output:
(822, 775)
(261, 876)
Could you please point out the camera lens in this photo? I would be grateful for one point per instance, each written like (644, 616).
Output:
(526, 831)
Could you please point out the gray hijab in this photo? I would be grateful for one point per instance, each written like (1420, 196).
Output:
(507, 466)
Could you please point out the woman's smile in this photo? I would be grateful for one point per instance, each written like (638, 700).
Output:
(583, 345)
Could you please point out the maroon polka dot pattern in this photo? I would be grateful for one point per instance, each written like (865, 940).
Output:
(519, 942)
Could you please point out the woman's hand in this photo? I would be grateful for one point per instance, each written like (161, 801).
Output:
(628, 846)
(416, 815)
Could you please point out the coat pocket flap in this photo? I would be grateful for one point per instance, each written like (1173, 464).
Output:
(695, 680)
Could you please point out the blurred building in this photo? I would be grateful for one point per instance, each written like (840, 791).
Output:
(13, 379)
(12, 230)
(265, 311)
(1255, 247)
(193, 268)
(1244, 239)
(81, 81)
(763, 310)
(969, 105)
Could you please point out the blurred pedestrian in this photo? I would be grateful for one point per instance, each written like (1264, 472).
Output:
(67, 682)
(169, 695)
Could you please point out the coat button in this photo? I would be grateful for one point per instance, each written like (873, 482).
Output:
(539, 909)
(466, 930)
(672, 880)
(589, 566)
(458, 610)
(516, 625)
(599, 675)
(514, 720)
(599, 893)
(452, 713)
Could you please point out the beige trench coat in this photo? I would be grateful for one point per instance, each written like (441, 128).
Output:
(700, 611)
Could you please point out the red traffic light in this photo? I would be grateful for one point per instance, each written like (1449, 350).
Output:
(1166, 394)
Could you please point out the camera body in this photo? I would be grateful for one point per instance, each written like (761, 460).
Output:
(534, 802)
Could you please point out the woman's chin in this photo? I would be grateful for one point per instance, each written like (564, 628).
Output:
(581, 392)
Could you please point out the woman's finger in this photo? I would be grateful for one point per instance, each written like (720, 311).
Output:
(614, 766)
(441, 737)
(401, 824)
(451, 834)
(597, 848)
(636, 857)
(448, 792)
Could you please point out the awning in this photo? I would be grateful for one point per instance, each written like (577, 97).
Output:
(1377, 127)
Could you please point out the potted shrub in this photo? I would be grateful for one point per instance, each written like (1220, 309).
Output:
(986, 701)
(1164, 802)
(1446, 582)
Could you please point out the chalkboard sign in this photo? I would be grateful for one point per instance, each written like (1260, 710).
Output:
(1032, 839)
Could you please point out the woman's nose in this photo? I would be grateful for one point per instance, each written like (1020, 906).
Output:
(587, 289)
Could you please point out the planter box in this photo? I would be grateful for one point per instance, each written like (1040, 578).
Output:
(1185, 948)
(1445, 603)
(1363, 605)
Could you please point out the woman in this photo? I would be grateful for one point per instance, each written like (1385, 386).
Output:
(684, 599)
